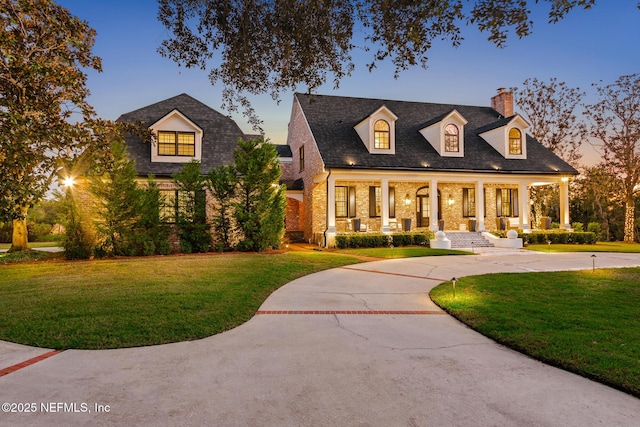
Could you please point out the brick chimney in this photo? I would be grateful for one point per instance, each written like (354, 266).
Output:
(503, 102)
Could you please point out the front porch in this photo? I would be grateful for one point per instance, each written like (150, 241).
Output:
(414, 202)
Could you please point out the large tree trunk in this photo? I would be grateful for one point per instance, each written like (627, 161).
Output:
(629, 220)
(19, 239)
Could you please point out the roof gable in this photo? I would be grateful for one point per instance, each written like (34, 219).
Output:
(219, 133)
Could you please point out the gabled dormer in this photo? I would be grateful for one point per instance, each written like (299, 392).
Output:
(178, 139)
(378, 131)
(446, 134)
(507, 136)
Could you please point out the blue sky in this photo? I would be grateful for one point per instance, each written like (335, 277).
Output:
(584, 48)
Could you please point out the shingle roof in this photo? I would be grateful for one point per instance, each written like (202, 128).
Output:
(220, 134)
(284, 150)
(332, 120)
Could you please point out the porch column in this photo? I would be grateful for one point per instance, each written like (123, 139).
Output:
(433, 198)
(480, 206)
(525, 207)
(564, 204)
(385, 205)
(331, 209)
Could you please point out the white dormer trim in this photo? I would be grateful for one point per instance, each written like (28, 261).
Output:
(435, 134)
(175, 121)
(366, 132)
(498, 138)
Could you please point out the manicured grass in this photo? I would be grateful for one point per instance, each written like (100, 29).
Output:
(582, 321)
(401, 252)
(598, 247)
(26, 256)
(143, 301)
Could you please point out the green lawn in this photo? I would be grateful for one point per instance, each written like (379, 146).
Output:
(584, 321)
(143, 301)
(598, 247)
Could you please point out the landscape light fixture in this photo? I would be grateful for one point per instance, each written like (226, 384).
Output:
(454, 280)
(593, 262)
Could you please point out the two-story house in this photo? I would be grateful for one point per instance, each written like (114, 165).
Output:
(372, 164)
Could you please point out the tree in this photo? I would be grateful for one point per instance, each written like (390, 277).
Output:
(261, 202)
(191, 216)
(271, 46)
(222, 183)
(118, 199)
(550, 109)
(616, 124)
(44, 49)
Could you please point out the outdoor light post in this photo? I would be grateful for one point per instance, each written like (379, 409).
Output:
(454, 280)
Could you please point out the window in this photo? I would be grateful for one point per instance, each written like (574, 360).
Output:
(381, 134)
(176, 144)
(507, 202)
(190, 205)
(301, 155)
(468, 202)
(375, 202)
(168, 206)
(345, 202)
(515, 141)
(451, 138)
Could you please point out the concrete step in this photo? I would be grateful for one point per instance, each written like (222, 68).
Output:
(467, 239)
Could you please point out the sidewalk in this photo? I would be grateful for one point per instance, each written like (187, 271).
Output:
(334, 368)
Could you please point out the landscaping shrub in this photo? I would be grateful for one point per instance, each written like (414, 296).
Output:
(543, 237)
(577, 226)
(595, 227)
(378, 240)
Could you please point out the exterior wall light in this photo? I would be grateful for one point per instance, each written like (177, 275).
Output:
(450, 200)
(407, 200)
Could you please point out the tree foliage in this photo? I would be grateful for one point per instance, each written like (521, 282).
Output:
(42, 84)
(615, 123)
(550, 108)
(191, 213)
(221, 182)
(268, 46)
(260, 204)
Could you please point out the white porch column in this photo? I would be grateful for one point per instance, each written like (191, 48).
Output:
(331, 208)
(525, 208)
(385, 205)
(433, 198)
(564, 204)
(480, 206)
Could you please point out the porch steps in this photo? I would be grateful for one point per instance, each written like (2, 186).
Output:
(467, 239)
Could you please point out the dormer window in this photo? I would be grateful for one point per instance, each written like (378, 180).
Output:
(381, 137)
(378, 131)
(451, 138)
(176, 143)
(445, 133)
(178, 139)
(515, 141)
(507, 136)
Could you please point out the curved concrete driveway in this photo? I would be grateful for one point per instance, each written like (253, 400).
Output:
(332, 368)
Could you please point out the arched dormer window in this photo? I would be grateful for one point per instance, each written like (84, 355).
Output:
(381, 132)
(515, 141)
(451, 138)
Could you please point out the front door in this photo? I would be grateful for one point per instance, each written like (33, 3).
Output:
(423, 211)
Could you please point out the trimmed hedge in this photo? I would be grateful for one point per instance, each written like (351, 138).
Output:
(379, 240)
(577, 237)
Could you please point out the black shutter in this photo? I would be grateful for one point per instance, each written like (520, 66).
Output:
(465, 202)
(392, 202)
(351, 212)
(372, 202)
(484, 201)
(514, 201)
(498, 202)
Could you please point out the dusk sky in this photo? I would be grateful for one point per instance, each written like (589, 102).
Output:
(584, 48)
